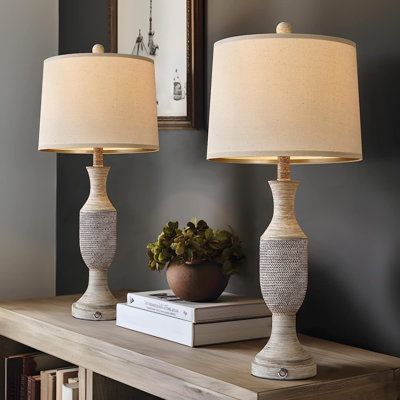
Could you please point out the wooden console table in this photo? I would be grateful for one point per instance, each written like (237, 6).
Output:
(176, 372)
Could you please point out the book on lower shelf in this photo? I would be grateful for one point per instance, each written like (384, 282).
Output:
(189, 333)
(227, 307)
(35, 376)
(34, 387)
(70, 390)
(64, 376)
(19, 367)
(48, 384)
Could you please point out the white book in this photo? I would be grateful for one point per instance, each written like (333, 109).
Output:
(70, 391)
(188, 333)
(63, 376)
(228, 307)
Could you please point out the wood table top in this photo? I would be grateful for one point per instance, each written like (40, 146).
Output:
(173, 371)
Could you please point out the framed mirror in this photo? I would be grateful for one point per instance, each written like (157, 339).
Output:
(171, 33)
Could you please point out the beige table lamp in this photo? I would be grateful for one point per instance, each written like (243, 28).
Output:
(98, 103)
(279, 99)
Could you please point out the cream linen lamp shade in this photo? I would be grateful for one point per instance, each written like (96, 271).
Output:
(98, 101)
(284, 94)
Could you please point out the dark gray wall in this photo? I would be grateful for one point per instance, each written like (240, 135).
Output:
(349, 211)
(29, 34)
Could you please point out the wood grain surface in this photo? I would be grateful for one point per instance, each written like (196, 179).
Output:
(173, 371)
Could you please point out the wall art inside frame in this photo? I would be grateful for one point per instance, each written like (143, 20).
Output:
(166, 31)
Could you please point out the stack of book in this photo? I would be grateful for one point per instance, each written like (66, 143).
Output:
(230, 318)
(39, 376)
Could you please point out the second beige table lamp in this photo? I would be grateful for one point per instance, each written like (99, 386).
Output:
(279, 99)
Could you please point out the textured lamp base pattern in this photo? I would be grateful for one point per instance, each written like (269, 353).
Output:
(98, 243)
(283, 279)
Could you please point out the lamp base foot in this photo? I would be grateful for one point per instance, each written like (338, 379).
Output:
(97, 303)
(283, 357)
(284, 370)
(94, 312)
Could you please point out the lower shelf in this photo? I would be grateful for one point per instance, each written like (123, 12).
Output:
(92, 386)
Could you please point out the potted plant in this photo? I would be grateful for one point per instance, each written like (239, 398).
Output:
(199, 259)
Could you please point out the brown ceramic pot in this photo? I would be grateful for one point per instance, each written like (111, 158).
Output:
(201, 281)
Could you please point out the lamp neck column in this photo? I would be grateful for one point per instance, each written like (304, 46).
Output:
(284, 168)
(98, 157)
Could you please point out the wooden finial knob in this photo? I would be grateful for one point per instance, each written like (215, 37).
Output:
(98, 49)
(284, 27)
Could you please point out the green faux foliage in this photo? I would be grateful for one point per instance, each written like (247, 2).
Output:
(195, 243)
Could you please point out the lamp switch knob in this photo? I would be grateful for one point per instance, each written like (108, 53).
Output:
(283, 373)
(97, 315)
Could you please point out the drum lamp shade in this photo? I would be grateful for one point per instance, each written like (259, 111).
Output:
(284, 95)
(98, 101)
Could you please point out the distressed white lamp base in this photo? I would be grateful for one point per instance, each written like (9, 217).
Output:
(283, 357)
(97, 303)
(283, 279)
(98, 243)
